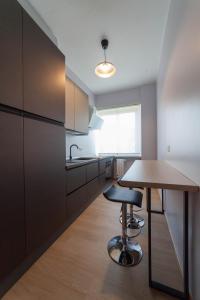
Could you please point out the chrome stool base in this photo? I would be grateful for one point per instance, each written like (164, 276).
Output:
(136, 222)
(126, 255)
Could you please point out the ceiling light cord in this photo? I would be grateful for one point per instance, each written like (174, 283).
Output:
(105, 69)
(105, 58)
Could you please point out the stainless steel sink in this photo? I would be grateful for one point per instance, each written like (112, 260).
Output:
(84, 158)
(71, 161)
(79, 160)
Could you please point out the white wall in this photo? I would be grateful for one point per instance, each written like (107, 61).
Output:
(146, 96)
(178, 94)
(86, 143)
(36, 17)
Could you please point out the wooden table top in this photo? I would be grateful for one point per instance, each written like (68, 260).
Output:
(157, 174)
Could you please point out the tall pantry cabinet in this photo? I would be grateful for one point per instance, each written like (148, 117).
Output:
(44, 135)
(11, 54)
(32, 139)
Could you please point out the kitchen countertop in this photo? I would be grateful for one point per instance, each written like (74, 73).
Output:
(77, 163)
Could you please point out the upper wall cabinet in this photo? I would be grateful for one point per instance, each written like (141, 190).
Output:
(69, 104)
(76, 108)
(44, 73)
(11, 53)
(81, 111)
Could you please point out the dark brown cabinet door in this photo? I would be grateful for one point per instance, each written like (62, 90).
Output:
(44, 157)
(75, 178)
(77, 201)
(92, 171)
(75, 204)
(11, 53)
(44, 73)
(102, 166)
(12, 223)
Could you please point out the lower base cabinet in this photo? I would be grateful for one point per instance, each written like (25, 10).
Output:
(102, 180)
(78, 200)
(74, 204)
(12, 213)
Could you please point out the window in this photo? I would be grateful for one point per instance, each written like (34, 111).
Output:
(121, 130)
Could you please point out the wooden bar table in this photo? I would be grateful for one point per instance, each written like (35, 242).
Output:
(161, 175)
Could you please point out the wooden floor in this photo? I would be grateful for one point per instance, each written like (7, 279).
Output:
(77, 266)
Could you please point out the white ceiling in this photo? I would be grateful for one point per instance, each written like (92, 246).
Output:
(134, 28)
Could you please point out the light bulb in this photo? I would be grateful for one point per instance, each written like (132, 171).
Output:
(105, 69)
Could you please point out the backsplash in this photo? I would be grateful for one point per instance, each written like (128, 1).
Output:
(85, 142)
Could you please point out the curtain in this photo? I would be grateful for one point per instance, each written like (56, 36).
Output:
(121, 130)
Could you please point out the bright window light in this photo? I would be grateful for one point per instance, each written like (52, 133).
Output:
(120, 132)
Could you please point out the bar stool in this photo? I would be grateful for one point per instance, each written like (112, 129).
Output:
(120, 248)
(134, 221)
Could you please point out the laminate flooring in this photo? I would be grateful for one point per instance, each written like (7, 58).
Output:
(77, 265)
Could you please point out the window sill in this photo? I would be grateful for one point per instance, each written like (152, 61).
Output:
(123, 155)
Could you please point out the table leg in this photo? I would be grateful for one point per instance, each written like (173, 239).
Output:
(162, 211)
(148, 195)
(186, 246)
(162, 195)
(159, 286)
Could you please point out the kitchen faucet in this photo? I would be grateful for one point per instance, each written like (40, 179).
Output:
(70, 151)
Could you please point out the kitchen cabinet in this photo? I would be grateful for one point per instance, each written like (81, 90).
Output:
(74, 204)
(11, 54)
(92, 190)
(69, 105)
(32, 139)
(109, 168)
(75, 178)
(102, 166)
(12, 209)
(44, 73)
(44, 155)
(106, 167)
(102, 180)
(92, 171)
(76, 108)
(78, 201)
(83, 185)
(81, 111)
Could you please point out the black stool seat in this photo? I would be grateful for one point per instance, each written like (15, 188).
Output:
(122, 195)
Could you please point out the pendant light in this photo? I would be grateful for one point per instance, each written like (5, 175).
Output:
(105, 69)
